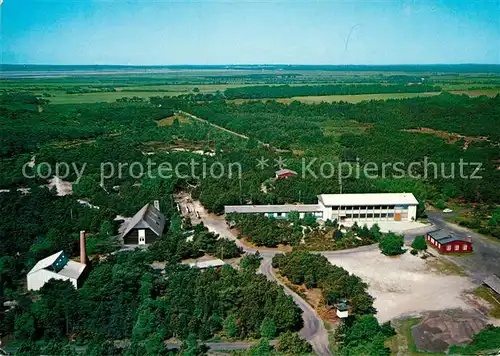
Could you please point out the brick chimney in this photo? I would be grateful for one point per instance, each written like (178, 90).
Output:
(83, 252)
(156, 204)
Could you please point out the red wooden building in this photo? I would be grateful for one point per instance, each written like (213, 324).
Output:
(445, 242)
(285, 173)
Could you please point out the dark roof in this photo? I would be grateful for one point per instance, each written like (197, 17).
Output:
(147, 218)
(493, 282)
(444, 237)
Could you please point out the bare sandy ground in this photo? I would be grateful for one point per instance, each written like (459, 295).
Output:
(405, 285)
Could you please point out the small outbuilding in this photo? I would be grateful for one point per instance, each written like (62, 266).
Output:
(342, 309)
(285, 173)
(445, 242)
(145, 227)
(208, 264)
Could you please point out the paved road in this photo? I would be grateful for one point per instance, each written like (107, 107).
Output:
(483, 261)
(314, 330)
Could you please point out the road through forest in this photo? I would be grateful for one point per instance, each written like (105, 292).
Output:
(483, 262)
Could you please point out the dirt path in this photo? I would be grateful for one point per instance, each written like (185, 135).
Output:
(230, 131)
(214, 125)
(313, 331)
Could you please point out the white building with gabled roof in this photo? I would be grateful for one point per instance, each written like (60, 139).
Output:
(59, 266)
(56, 266)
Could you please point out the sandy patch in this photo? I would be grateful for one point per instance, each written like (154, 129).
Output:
(405, 285)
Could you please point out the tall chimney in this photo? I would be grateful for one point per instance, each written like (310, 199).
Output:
(83, 253)
(156, 204)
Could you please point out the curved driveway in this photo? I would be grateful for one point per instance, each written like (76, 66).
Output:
(484, 261)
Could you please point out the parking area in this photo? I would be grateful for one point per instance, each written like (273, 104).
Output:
(406, 285)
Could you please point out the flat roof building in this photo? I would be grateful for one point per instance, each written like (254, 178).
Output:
(369, 207)
(208, 264)
(363, 207)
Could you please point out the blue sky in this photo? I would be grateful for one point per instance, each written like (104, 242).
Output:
(248, 32)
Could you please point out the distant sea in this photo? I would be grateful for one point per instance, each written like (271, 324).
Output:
(57, 71)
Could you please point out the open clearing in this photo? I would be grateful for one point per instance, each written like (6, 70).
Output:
(108, 97)
(405, 285)
(478, 92)
(168, 121)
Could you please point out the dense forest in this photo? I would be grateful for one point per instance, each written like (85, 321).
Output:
(287, 91)
(148, 307)
(378, 132)
(305, 233)
(125, 298)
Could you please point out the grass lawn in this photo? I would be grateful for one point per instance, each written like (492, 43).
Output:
(445, 267)
(402, 343)
(484, 293)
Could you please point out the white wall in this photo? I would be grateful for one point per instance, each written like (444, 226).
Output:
(412, 212)
(326, 211)
(37, 279)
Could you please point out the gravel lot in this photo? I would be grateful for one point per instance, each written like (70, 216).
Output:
(404, 285)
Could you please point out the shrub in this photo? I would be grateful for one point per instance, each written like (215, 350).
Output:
(392, 244)
(419, 243)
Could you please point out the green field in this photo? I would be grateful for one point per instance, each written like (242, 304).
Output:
(354, 98)
(63, 98)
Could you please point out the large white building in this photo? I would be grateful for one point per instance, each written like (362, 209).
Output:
(369, 207)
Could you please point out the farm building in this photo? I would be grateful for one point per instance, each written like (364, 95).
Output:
(59, 266)
(371, 207)
(445, 242)
(145, 227)
(285, 173)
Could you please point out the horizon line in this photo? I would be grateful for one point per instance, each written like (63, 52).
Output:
(252, 64)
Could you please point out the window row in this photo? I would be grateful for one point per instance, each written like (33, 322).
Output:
(370, 216)
(364, 207)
